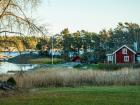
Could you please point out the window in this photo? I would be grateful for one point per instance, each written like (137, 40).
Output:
(126, 58)
(110, 58)
(124, 51)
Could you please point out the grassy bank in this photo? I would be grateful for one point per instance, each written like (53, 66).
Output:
(34, 59)
(62, 77)
(76, 96)
(106, 66)
(45, 60)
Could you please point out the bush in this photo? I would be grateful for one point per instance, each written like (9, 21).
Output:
(11, 80)
(106, 66)
(109, 66)
(89, 57)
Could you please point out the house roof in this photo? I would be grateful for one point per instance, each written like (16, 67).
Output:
(122, 47)
(109, 54)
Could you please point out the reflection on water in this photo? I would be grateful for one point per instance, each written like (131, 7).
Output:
(10, 53)
(6, 66)
(13, 54)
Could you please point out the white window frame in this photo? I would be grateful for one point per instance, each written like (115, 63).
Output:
(124, 51)
(110, 58)
(126, 58)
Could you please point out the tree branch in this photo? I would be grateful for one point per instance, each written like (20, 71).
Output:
(5, 9)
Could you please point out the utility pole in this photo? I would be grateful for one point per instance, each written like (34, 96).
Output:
(52, 49)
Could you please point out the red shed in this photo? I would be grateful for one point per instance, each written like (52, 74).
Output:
(122, 55)
(76, 59)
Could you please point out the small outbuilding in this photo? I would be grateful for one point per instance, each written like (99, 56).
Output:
(76, 59)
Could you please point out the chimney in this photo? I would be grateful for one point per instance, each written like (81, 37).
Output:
(135, 46)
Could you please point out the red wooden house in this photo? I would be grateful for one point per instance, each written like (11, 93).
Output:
(124, 54)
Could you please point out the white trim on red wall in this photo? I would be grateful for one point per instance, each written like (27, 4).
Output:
(122, 47)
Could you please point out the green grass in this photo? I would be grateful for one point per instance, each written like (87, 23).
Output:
(45, 60)
(34, 59)
(106, 66)
(129, 95)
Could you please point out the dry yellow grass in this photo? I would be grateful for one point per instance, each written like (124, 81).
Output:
(62, 77)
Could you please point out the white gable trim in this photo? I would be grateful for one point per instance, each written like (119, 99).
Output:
(109, 54)
(122, 47)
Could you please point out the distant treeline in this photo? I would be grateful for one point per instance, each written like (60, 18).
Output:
(98, 43)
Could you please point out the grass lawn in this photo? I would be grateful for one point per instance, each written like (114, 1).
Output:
(129, 95)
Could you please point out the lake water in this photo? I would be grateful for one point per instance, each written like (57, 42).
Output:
(6, 67)
(13, 54)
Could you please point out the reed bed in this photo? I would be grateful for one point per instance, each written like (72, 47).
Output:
(62, 77)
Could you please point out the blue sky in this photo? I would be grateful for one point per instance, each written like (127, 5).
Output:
(90, 15)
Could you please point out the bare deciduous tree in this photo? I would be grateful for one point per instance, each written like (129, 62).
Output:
(14, 18)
